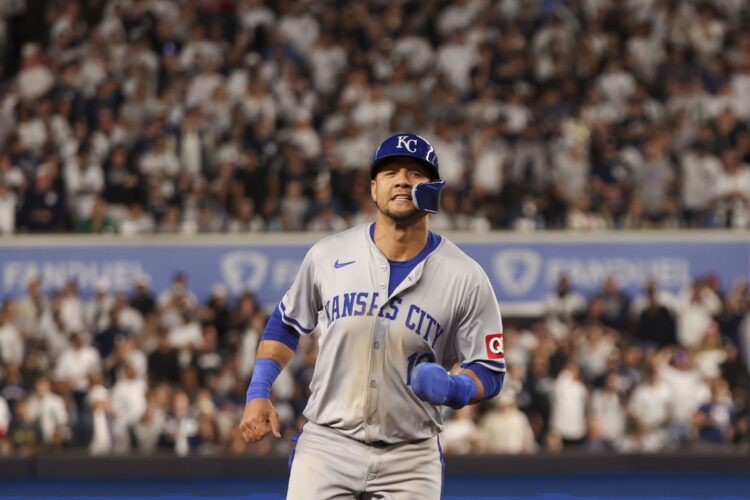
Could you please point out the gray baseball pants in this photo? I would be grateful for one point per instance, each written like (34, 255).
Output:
(329, 465)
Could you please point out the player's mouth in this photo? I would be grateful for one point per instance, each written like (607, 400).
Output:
(402, 197)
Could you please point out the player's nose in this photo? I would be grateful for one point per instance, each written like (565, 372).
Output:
(402, 177)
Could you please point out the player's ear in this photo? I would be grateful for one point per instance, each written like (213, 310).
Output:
(373, 190)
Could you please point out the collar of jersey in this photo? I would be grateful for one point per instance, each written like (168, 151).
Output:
(433, 241)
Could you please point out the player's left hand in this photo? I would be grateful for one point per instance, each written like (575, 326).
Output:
(258, 419)
(431, 383)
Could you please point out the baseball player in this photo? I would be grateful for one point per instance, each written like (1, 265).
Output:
(396, 306)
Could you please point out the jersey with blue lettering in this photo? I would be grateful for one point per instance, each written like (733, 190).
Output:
(370, 341)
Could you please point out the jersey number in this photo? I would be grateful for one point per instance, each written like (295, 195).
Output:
(414, 360)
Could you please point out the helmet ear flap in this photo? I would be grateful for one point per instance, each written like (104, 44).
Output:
(426, 195)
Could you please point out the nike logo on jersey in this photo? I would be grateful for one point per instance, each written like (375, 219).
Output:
(339, 265)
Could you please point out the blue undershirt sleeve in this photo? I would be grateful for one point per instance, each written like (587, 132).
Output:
(491, 380)
(279, 331)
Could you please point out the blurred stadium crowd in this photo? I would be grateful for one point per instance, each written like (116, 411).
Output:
(192, 116)
(164, 373)
(156, 116)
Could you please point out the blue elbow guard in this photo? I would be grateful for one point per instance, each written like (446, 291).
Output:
(492, 381)
(264, 375)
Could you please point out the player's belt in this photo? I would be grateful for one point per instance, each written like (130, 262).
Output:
(384, 444)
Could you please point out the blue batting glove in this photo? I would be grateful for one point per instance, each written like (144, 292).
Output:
(430, 382)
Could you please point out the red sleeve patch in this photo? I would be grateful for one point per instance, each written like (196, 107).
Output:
(494, 344)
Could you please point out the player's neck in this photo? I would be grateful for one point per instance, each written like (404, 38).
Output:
(400, 241)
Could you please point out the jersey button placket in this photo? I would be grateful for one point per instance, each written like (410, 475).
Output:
(371, 400)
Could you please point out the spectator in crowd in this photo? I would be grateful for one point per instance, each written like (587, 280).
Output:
(97, 431)
(606, 404)
(656, 323)
(146, 431)
(11, 339)
(43, 208)
(136, 221)
(569, 400)
(562, 306)
(128, 401)
(25, 433)
(216, 311)
(50, 410)
(699, 168)
(460, 436)
(711, 354)
(650, 409)
(33, 305)
(8, 209)
(97, 310)
(207, 357)
(5, 419)
(105, 340)
(13, 388)
(536, 394)
(98, 222)
(687, 389)
(694, 314)
(595, 347)
(72, 307)
(615, 305)
(180, 433)
(74, 366)
(163, 362)
(142, 299)
(733, 370)
(505, 429)
(127, 354)
(714, 420)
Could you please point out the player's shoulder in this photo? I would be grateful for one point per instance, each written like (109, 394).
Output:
(336, 242)
(454, 260)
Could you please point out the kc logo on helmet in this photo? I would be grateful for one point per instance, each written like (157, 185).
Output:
(404, 142)
(494, 344)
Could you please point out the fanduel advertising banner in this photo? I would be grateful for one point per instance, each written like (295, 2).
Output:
(265, 269)
(522, 273)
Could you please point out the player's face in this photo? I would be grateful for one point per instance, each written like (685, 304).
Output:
(391, 189)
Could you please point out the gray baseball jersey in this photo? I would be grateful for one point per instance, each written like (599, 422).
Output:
(444, 311)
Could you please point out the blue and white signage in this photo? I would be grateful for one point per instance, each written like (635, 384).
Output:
(521, 273)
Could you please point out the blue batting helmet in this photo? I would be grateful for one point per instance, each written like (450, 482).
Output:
(408, 145)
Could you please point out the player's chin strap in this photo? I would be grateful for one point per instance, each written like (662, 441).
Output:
(426, 195)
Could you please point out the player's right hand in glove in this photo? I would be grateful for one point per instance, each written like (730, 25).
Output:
(258, 419)
(432, 383)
